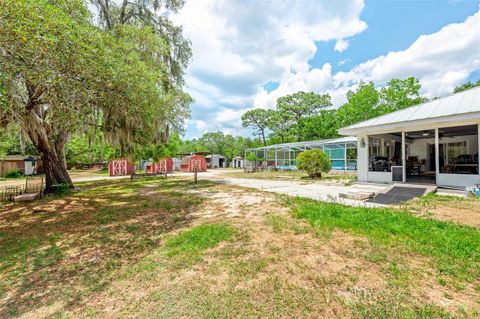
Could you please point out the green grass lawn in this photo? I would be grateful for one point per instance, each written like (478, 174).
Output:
(64, 246)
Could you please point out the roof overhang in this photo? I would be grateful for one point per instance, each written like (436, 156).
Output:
(422, 124)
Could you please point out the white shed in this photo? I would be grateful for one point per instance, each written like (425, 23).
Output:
(176, 163)
(216, 161)
(238, 162)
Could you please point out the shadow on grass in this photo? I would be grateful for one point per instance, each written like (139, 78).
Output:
(63, 248)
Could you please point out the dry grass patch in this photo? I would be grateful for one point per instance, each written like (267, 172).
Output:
(455, 209)
(336, 178)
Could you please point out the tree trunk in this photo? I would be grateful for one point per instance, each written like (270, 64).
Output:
(51, 148)
(55, 171)
(47, 138)
(263, 137)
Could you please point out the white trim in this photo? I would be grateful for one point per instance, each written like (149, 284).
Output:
(380, 177)
(463, 119)
(437, 155)
(457, 180)
(404, 160)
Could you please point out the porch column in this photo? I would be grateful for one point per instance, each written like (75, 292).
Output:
(289, 160)
(276, 157)
(404, 160)
(437, 156)
(345, 157)
(478, 126)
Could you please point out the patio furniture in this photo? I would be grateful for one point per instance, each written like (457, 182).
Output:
(380, 164)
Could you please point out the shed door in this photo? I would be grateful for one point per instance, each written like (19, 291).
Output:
(28, 168)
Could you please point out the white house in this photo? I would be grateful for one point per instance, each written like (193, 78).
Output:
(435, 142)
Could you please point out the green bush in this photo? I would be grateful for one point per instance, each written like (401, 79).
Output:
(13, 174)
(314, 163)
(252, 157)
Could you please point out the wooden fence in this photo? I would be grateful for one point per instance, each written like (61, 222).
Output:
(8, 193)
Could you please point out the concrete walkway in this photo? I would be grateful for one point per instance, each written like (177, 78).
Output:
(327, 192)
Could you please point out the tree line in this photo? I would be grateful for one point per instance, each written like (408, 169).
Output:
(304, 116)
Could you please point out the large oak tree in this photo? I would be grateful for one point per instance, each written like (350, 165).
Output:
(61, 74)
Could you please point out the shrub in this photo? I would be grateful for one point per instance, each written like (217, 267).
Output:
(251, 157)
(13, 174)
(314, 163)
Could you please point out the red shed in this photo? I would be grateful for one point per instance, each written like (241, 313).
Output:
(120, 167)
(189, 162)
(160, 167)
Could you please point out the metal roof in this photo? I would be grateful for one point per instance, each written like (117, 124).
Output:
(449, 107)
(309, 144)
(215, 155)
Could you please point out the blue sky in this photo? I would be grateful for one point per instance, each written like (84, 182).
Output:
(248, 53)
(393, 26)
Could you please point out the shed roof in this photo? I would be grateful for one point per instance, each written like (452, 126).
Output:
(215, 155)
(452, 107)
(18, 157)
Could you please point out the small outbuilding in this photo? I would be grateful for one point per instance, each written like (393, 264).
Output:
(192, 162)
(164, 165)
(436, 142)
(120, 167)
(177, 163)
(238, 162)
(216, 161)
(27, 165)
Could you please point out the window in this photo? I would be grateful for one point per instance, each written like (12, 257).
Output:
(374, 147)
(379, 154)
(458, 150)
(454, 150)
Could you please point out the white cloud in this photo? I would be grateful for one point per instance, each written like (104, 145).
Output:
(317, 79)
(239, 46)
(341, 45)
(440, 60)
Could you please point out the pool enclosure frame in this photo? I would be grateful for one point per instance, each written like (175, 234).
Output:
(283, 156)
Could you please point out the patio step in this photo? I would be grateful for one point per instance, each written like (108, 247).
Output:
(357, 195)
